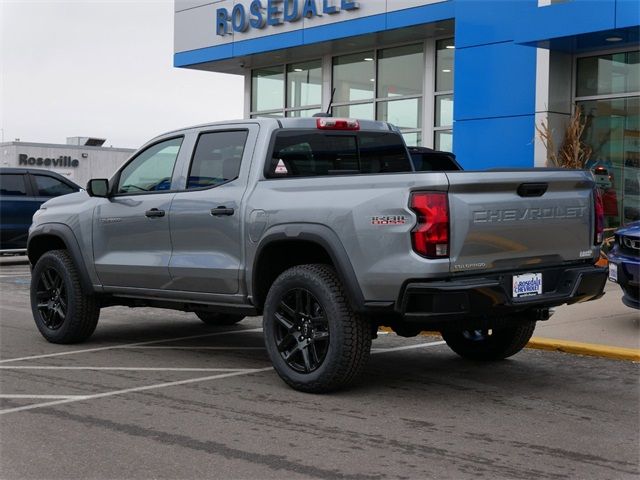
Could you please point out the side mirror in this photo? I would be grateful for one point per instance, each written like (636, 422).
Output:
(98, 187)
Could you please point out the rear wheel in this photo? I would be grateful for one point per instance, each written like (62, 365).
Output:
(490, 344)
(219, 318)
(62, 310)
(315, 341)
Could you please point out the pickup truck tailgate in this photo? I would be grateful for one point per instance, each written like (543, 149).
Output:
(516, 220)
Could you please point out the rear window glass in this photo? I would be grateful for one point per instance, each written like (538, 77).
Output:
(304, 153)
(12, 185)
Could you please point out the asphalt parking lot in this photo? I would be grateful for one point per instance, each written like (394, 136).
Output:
(157, 394)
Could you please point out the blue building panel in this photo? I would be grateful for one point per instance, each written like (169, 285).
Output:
(628, 14)
(349, 28)
(495, 142)
(496, 80)
(566, 19)
(421, 15)
(268, 43)
(480, 22)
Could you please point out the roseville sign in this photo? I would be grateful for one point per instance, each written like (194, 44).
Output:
(61, 161)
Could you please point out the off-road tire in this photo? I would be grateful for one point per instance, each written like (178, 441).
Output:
(218, 319)
(497, 344)
(349, 341)
(82, 311)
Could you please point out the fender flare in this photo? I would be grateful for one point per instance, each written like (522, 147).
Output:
(64, 233)
(326, 238)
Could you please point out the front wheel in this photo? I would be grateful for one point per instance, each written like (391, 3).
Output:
(62, 310)
(489, 344)
(315, 341)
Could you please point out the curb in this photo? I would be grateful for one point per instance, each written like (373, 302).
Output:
(567, 346)
(590, 349)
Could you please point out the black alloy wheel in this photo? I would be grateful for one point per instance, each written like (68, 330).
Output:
(52, 300)
(62, 309)
(302, 331)
(314, 339)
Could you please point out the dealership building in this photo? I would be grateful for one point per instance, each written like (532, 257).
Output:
(472, 76)
(80, 159)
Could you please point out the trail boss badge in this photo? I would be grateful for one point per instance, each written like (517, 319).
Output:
(388, 220)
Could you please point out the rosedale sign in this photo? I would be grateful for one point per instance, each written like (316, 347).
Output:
(61, 161)
(263, 13)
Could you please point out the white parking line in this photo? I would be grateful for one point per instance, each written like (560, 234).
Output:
(40, 397)
(127, 345)
(128, 369)
(131, 390)
(407, 347)
(203, 347)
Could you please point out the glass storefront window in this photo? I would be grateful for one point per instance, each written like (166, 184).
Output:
(608, 93)
(304, 84)
(608, 74)
(267, 89)
(354, 77)
(444, 140)
(361, 110)
(444, 110)
(404, 114)
(400, 71)
(444, 65)
(413, 139)
(310, 112)
(613, 132)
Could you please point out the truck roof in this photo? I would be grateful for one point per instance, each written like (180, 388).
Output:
(303, 123)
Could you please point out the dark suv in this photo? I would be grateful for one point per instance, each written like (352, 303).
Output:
(22, 191)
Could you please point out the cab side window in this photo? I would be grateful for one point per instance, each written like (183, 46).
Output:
(152, 169)
(12, 185)
(51, 187)
(217, 158)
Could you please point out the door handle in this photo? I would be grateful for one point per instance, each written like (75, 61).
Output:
(154, 212)
(222, 211)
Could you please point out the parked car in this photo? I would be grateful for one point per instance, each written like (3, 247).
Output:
(323, 227)
(624, 263)
(22, 191)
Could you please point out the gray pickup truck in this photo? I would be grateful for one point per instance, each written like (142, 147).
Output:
(324, 228)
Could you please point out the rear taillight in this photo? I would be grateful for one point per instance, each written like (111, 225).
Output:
(598, 209)
(328, 123)
(430, 236)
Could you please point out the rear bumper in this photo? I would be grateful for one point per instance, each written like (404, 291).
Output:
(491, 296)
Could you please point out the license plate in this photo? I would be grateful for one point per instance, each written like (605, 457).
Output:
(613, 272)
(527, 284)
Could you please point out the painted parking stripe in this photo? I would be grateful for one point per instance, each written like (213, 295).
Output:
(21, 396)
(132, 390)
(127, 345)
(407, 347)
(180, 347)
(128, 369)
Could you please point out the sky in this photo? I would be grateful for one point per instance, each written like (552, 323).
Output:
(101, 69)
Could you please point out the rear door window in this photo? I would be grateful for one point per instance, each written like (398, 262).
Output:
(12, 185)
(304, 153)
(51, 187)
(217, 158)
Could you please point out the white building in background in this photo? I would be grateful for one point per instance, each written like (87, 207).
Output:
(80, 159)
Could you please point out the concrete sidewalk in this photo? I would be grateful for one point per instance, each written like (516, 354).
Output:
(604, 322)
